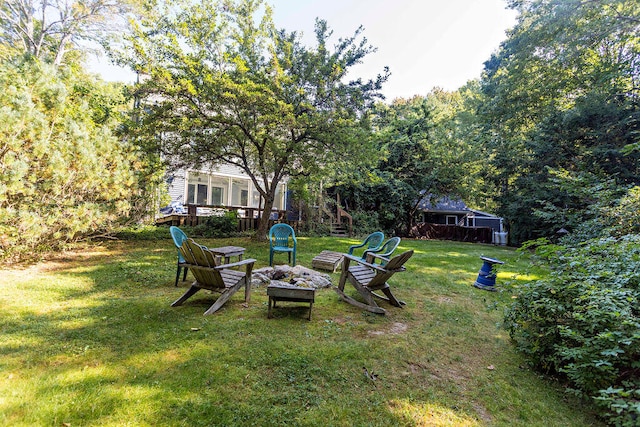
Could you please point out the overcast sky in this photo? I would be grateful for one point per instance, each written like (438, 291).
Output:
(425, 43)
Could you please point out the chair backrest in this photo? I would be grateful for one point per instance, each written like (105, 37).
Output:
(177, 235)
(179, 238)
(373, 241)
(197, 255)
(280, 235)
(397, 262)
(385, 250)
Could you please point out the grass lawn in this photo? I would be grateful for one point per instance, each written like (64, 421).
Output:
(89, 339)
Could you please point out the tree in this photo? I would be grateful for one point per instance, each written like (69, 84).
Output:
(222, 86)
(63, 174)
(48, 29)
(562, 94)
(425, 151)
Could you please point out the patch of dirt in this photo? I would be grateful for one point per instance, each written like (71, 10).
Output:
(395, 329)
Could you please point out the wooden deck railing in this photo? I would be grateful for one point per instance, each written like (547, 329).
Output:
(248, 218)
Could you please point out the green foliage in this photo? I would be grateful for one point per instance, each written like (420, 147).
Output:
(218, 226)
(63, 174)
(143, 232)
(365, 222)
(424, 149)
(583, 323)
(224, 86)
(561, 95)
(52, 31)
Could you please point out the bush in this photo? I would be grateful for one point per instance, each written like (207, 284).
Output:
(218, 226)
(582, 322)
(365, 222)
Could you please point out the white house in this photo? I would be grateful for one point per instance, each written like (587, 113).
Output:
(220, 186)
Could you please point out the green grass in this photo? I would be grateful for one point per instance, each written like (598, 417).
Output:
(89, 339)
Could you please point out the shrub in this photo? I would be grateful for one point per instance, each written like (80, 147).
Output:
(582, 322)
(225, 225)
(365, 222)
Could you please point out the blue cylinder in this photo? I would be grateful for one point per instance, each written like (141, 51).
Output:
(486, 276)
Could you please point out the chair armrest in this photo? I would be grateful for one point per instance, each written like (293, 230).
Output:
(352, 247)
(363, 262)
(235, 264)
(376, 256)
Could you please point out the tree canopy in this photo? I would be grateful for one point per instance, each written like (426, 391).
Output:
(221, 85)
(561, 94)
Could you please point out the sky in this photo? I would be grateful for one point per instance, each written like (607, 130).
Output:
(425, 43)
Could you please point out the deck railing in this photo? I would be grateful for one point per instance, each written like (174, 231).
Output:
(248, 218)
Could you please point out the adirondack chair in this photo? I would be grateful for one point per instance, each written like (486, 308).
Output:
(373, 241)
(383, 253)
(209, 275)
(179, 237)
(367, 278)
(282, 239)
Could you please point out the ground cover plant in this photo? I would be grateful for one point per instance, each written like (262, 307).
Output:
(89, 339)
(581, 322)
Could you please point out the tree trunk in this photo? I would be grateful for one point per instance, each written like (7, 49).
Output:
(263, 225)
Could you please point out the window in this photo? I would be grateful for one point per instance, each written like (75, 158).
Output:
(191, 194)
(202, 194)
(452, 220)
(244, 197)
(217, 194)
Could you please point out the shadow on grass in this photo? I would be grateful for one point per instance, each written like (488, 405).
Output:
(93, 341)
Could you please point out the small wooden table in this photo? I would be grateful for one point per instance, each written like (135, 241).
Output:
(284, 292)
(327, 260)
(227, 252)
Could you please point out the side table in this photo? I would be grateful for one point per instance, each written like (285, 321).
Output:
(284, 292)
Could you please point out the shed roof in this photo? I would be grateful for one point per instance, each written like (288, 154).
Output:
(446, 204)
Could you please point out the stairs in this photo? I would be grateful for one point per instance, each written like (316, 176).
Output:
(339, 230)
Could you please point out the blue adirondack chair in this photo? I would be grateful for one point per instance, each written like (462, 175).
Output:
(383, 253)
(372, 242)
(282, 239)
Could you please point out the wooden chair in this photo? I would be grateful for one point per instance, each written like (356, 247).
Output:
(179, 237)
(383, 253)
(209, 275)
(373, 241)
(282, 239)
(368, 277)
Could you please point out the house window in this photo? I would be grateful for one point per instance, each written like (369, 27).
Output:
(452, 220)
(217, 196)
(191, 194)
(239, 192)
(202, 194)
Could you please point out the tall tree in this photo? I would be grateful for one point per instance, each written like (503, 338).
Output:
(48, 29)
(562, 94)
(425, 151)
(222, 85)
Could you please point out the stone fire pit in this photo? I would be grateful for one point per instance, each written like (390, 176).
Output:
(286, 275)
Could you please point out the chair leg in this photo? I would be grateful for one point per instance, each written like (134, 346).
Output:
(224, 297)
(178, 274)
(192, 290)
(185, 274)
(271, 258)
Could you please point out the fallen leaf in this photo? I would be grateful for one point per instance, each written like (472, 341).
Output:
(491, 367)
(195, 329)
